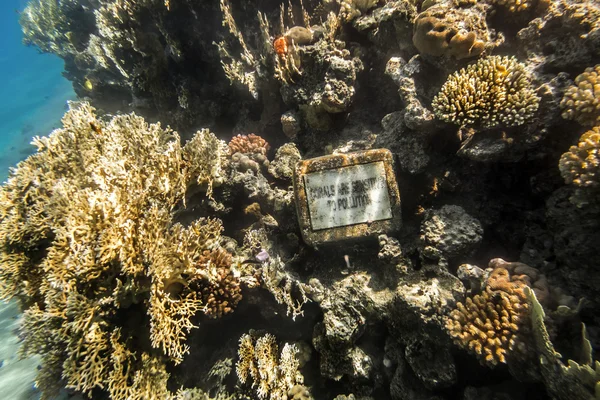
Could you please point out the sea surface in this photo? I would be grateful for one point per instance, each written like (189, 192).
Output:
(33, 97)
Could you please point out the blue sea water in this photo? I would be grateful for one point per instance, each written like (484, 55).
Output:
(33, 97)
(33, 92)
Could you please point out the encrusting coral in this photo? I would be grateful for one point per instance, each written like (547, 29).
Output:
(582, 101)
(273, 376)
(495, 91)
(88, 240)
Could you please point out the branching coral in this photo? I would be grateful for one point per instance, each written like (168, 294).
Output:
(87, 235)
(581, 164)
(489, 324)
(582, 101)
(495, 91)
(272, 377)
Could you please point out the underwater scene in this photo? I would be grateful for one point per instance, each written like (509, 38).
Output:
(300, 199)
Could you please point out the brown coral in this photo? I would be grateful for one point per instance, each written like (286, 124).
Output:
(582, 101)
(495, 91)
(443, 30)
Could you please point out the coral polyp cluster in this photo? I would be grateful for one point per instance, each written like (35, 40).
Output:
(495, 91)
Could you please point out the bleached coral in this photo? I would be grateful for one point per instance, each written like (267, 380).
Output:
(582, 101)
(495, 91)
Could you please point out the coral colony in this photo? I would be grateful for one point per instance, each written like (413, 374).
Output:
(187, 233)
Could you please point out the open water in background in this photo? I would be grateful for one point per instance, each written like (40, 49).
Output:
(33, 92)
(33, 98)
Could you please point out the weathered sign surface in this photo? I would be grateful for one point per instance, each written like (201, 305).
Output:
(344, 196)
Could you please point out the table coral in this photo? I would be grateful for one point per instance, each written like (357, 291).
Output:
(582, 101)
(495, 91)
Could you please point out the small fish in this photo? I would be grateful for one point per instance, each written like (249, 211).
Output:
(87, 84)
(96, 128)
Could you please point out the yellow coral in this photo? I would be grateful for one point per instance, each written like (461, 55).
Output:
(436, 32)
(489, 324)
(581, 164)
(495, 91)
(582, 101)
(273, 377)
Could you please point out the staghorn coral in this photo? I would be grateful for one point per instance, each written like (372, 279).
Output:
(495, 91)
(444, 30)
(87, 237)
(582, 101)
(489, 324)
(273, 377)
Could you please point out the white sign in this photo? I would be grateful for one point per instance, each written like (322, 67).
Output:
(347, 195)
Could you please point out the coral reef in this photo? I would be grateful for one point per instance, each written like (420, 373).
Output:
(144, 263)
(582, 101)
(495, 91)
(249, 151)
